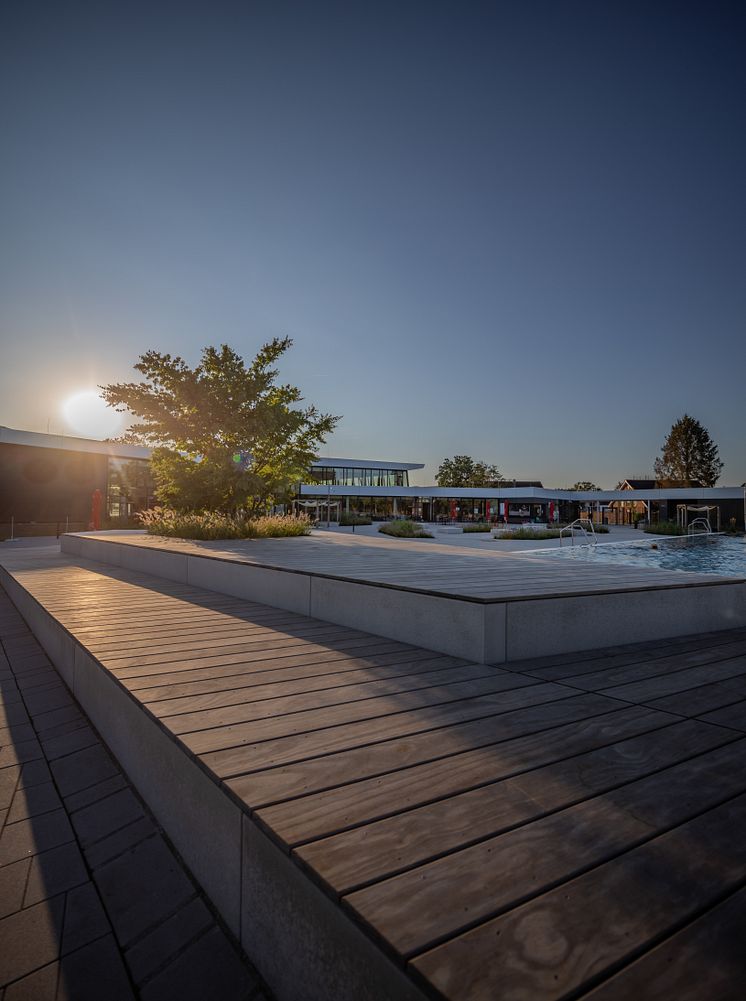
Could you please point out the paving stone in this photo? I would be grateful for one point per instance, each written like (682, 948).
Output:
(121, 841)
(12, 885)
(82, 769)
(76, 740)
(34, 772)
(18, 753)
(55, 871)
(9, 693)
(78, 800)
(48, 720)
(209, 968)
(41, 985)
(11, 715)
(159, 946)
(8, 781)
(30, 837)
(15, 733)
(33, 800)
(51, 698)
(60, 729)
(142, 887)
(106, 817)
(96, 973)
(85, 918)
(30, 939)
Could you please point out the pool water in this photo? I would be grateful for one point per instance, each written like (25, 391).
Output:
(724, 555)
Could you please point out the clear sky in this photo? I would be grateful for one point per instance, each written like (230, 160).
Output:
(514, 230)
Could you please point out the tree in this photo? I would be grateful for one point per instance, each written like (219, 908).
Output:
(226, 437)
(463, 471)
(584, 485)
(689, 454)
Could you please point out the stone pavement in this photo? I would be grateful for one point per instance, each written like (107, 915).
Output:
(94, 902)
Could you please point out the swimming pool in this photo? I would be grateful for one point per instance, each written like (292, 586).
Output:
(716, 554)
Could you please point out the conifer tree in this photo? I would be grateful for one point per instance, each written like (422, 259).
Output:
(689, 454)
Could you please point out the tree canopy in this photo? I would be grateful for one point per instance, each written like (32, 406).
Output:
(689, 454)
(584, 485)
(463, 471)
(225, 435)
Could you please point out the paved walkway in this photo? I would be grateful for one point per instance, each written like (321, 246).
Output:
(94, 904)
(571, 827)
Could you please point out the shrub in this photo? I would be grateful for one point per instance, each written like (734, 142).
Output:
(404, 530)
(214, 525)
(665, 528)
(530, 533)
(354, 519)
(477, 528)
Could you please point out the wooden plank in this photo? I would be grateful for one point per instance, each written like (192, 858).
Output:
(379, 850)
(216, 674)
(273, 785)
(556, 943)
(678, 681)
(309, 678)
(270, 752)
(733, 716)
(655, 666)
(704, 960)
(414, 911)
(471, 695)
(274, 700)
(704, 698)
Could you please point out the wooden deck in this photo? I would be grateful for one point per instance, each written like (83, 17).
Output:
(570, 828)
(427, 567)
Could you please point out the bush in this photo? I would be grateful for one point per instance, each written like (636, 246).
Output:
(530, 533)
(404, 530)
(213, 525)
(477, 528)
(354, 519)
(665, 528)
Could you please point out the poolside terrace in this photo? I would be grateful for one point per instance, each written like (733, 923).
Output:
(376, 819)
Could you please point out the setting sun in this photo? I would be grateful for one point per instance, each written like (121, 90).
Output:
(89, 415)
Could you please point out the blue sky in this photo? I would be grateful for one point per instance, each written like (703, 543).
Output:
(511, 230)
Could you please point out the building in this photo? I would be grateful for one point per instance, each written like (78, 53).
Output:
(47, 482)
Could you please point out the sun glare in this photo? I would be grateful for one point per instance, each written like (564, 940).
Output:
(89, 415)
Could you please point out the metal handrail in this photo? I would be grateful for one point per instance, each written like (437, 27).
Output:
(579, 523)
(703, 523)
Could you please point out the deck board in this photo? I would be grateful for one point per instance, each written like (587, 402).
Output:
(528, 831)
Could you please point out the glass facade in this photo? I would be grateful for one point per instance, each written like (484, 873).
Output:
(129, 487)
(350, 476)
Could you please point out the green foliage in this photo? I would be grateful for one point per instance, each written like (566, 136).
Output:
(347, 519)
(200, 419)
(463, 471)
(584, 485)
(688, 454)
(665, 528)
(530, 533)
(214, 525)
(469, 529)
(404, 530)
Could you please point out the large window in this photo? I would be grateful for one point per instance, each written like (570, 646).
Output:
(129, 487)
(350, 476)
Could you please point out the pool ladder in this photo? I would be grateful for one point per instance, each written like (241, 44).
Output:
(700, 525)
(580, 524)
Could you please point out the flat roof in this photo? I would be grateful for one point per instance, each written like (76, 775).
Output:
(69, 443)
(323, 460)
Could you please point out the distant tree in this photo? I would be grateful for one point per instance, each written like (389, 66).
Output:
(688, 454)
(463, 471)
(226, 437)
(584, 485)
